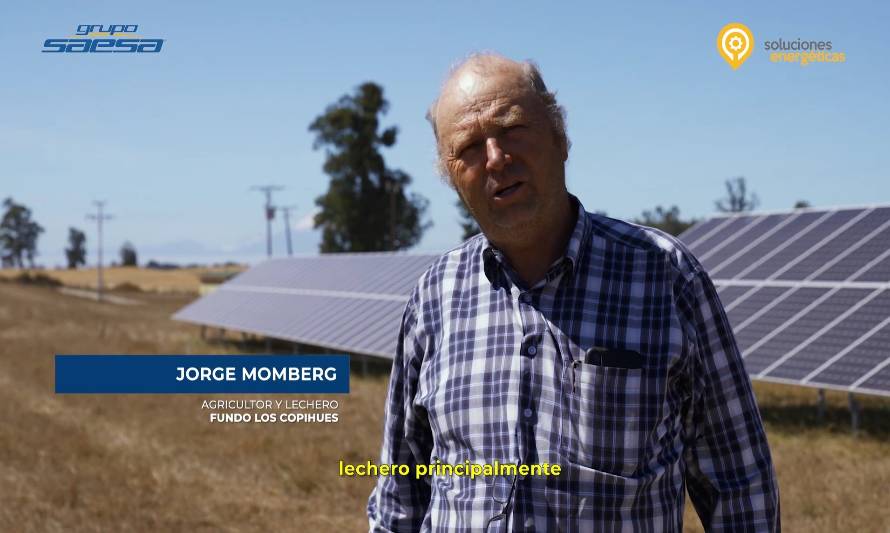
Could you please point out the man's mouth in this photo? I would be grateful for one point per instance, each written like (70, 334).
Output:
(507, 191)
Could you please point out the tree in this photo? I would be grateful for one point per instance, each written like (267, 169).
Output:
(367, 206)
(737, 198)
(128, 255)
(467, 222)
(801, 204)
(18, 235)
(667, 220)
(76, 251)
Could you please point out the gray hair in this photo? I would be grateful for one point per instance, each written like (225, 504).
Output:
(556, 114)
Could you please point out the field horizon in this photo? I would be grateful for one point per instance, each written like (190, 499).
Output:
(176, 280)
(154, 462)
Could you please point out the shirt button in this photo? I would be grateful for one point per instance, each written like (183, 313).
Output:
(527, 413)
(525, 297)
(532, 350)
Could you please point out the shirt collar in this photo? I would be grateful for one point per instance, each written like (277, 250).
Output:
(493, 258)
(577, 241)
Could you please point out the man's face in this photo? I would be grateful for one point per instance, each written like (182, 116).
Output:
(501, 152)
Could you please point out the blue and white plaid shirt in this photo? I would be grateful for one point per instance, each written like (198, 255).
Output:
(489, 370)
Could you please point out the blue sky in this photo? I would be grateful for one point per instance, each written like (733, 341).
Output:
(173, 141)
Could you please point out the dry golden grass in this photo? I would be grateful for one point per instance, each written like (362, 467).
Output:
(154, 462)
(177, 280)
(829, 478)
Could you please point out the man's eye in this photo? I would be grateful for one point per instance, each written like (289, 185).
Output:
(469, 149)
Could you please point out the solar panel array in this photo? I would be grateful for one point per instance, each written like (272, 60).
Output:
(349, 302)
(807, 293)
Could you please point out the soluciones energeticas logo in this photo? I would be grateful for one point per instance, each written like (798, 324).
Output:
(97, 38)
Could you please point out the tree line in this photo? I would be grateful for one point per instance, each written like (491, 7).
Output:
(19, 233)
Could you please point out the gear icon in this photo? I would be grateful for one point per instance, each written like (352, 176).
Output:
(735, 43)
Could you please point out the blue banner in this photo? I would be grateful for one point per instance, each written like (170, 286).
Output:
(189, 374)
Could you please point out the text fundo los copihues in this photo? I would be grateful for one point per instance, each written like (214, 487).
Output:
(262, 373)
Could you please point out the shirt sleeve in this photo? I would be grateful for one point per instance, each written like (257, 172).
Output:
(729, 471)
(399, 503)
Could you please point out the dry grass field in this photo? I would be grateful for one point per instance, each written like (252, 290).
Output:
(154, 462)
(185, 280)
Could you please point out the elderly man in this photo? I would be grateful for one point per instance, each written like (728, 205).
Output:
(563, 337)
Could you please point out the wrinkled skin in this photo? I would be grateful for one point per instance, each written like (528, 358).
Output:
(506, 163)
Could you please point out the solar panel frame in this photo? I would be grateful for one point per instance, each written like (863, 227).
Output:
(798, 246)
(792, 225)
(848, 324)
(750, 233)
(350, 302)
(879, 272)
(842, 245)
(765, 323)
(857, 359)
(721, 232)
(700, 228)
(877, 381)
(871, 251)
(834, 255)
(788, 280)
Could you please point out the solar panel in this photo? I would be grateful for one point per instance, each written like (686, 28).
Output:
(349, 302)
(806, 291)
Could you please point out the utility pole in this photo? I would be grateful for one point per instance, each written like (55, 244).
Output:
(286, 209)
(99, 217)
(270, 211)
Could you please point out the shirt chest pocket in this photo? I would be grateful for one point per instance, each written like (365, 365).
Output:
(604, 417)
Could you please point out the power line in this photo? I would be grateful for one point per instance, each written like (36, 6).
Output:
(99, 217)
(286, 209)
(270, 211)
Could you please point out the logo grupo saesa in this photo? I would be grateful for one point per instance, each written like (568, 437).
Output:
(96, 38)
(735, 42)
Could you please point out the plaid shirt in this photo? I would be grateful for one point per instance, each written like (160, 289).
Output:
(488, 370)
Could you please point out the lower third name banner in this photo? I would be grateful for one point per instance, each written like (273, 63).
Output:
(187, 374)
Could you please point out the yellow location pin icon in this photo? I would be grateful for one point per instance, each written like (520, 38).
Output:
(735, 43)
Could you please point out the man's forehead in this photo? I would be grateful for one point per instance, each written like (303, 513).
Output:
(471, 84)
(502, 112)
(470, 93)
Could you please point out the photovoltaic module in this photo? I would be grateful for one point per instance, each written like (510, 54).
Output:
(807, 293)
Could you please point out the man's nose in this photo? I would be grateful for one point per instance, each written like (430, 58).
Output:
(497, 158)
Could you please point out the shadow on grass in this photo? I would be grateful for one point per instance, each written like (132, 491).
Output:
(874, 420)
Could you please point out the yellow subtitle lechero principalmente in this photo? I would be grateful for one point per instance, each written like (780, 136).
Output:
(438, 468)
